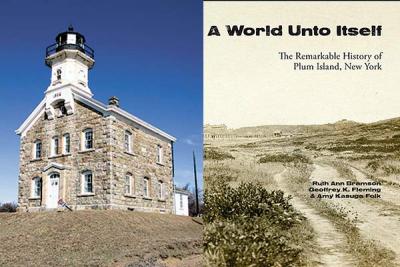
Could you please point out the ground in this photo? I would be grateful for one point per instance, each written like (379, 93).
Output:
(348, 232)
(99, 238)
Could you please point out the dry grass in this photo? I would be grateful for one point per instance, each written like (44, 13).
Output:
(96, 238)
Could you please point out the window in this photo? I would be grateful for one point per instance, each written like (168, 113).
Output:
(87, 139)
(128, 141)
(54, 146)
(63, 110)
(67, 143)
(36, 187)
(60, 108)
(128, 184)
(87, 182)
(181, 201)
(161, 190)
(159, 154)
(146, 187)
(59, 74)
(37, 149)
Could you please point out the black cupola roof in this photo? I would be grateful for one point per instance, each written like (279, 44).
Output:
(70, 40)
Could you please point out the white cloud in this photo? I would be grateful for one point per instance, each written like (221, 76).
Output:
(189, 141)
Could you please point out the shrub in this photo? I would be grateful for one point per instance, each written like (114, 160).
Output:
(390, 169)
(285, 158)
(8, 207)
(250, 226)
(373, 165)
(211, 153)
(249, 243)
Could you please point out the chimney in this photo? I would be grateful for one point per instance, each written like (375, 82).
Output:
(113, 101)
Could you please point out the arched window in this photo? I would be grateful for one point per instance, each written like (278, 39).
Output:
(146, 187)
(129, 184)
(87, 182)
(59, 74)
(87, 139)
(54, 175)
(37, 149)
(36, 187)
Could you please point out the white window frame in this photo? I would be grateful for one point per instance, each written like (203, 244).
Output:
(66, 144)
(85, 141)
(146, 187)
(35, 149)
(161, 190)
(84, 191)
(128, 141)
(36, 187)
(55, 144)
(160, 152)
(128, 184)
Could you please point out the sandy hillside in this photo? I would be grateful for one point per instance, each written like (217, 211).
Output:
(98, 238)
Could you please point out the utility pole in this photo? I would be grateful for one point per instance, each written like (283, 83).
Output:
(195, 185)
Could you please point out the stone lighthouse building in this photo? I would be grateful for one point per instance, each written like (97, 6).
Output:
(89, 155)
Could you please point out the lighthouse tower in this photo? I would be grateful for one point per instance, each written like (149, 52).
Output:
(70, 60)
(74, 149)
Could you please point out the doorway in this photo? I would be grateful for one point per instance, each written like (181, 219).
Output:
(52, 191)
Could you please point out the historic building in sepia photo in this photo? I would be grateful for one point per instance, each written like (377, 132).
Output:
(79, 151)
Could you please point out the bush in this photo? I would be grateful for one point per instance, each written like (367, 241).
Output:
(285, 158)
(8, 207)
(373, 165)
(250, 226)
(249, 243)
(211, 153)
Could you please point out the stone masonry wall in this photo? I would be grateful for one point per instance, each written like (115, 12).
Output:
(141, 162)
(75, 162)
(108, 161)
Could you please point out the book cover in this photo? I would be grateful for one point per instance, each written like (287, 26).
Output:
(302, 133)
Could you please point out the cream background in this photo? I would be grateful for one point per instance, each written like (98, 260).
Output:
(246, 84)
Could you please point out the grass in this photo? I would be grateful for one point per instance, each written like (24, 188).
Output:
(240, 170)
(343, 169)
(95, 238)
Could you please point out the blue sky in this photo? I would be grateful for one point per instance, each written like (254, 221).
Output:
(148, 53)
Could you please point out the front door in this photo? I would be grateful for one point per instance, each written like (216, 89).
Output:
(52, 191)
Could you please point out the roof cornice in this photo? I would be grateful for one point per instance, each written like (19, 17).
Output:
(112, 110)
(97, 105)
(33, 117)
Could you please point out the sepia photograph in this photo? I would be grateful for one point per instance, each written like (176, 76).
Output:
(101, 133)
(301, 134)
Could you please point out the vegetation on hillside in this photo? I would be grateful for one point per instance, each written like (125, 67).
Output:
(251, 226)
(212, 153)
(284, 158)
(8, 207)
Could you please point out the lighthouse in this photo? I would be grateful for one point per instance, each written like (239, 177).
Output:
(70, 60)
(78, 151)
